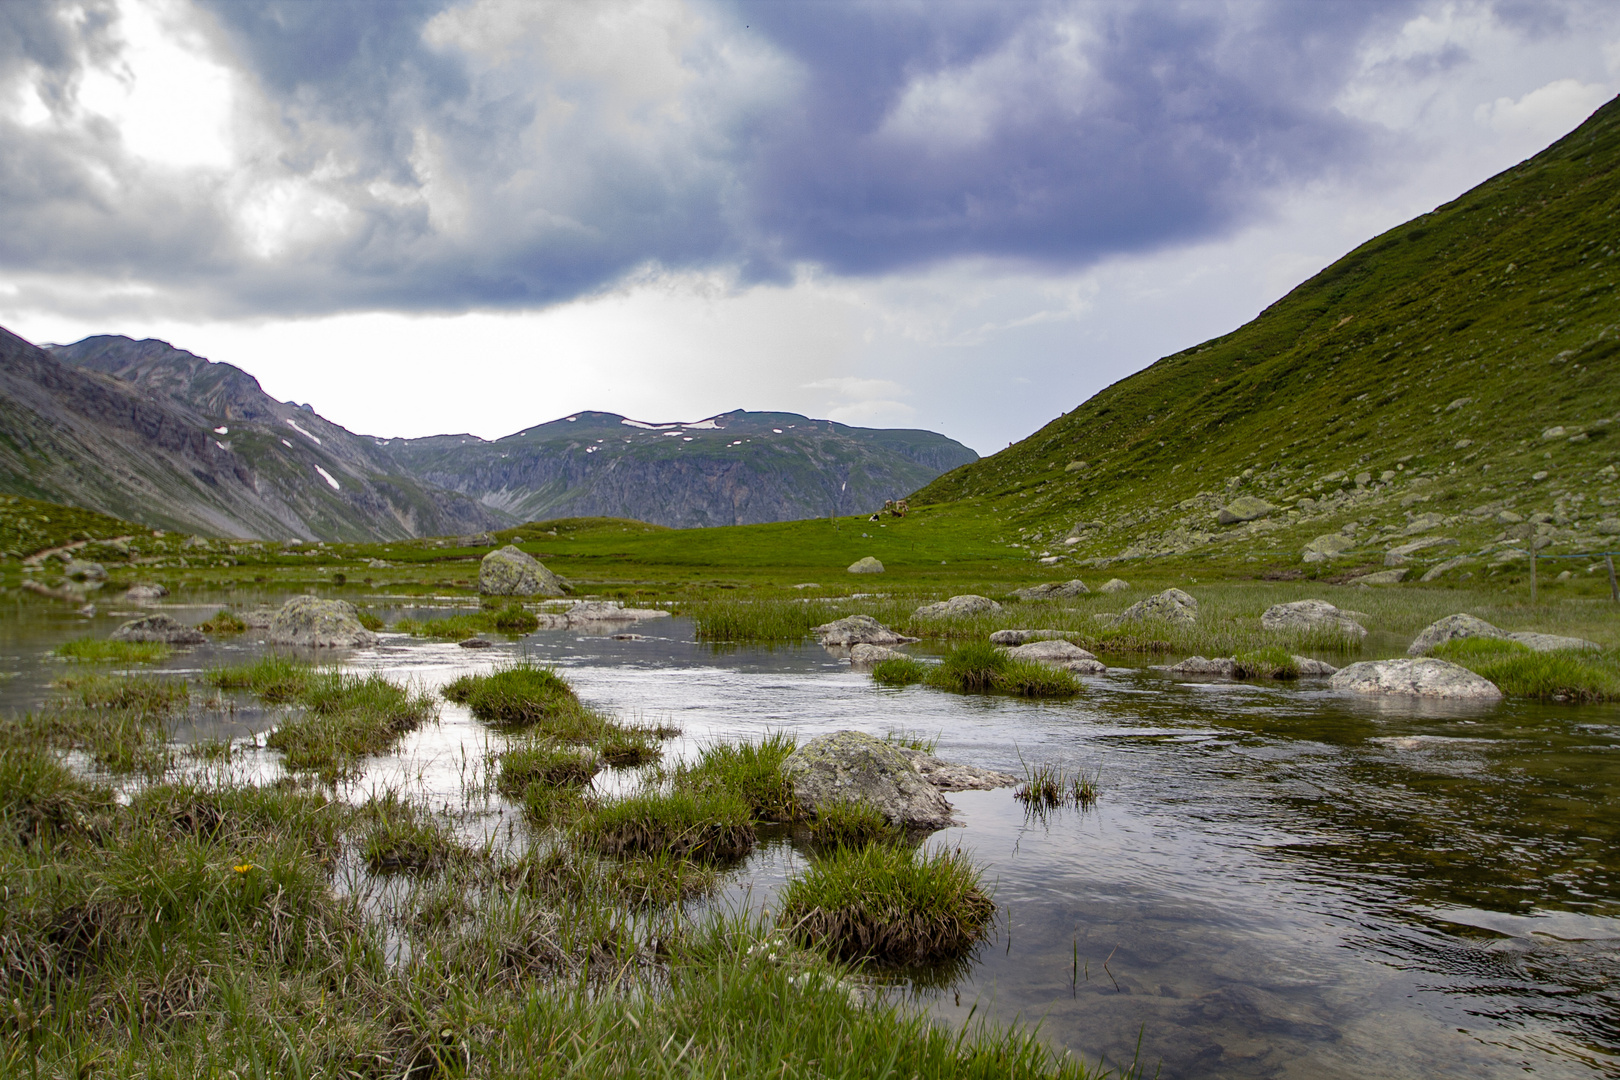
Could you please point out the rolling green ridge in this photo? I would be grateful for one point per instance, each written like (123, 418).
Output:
(1462, 364)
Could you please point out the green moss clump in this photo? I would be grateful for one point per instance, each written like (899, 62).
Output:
(526, 695)
(889, 904)
(223, 622)
(899, 671)
(272, 677)
(683, 823)
(750, 771)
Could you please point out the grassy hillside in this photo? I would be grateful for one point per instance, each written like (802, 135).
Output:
(1464, 364)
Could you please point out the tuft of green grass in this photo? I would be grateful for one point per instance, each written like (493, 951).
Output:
(510, 619)
(979, 666)
(1047, 787)
(525, 695)
(91, 650)
(346, 718)
(683, 823)
(758, 619)
(1272, 662)
(144, 696)
(273, 678)
(223, 622)
(626, 748)
(548, 806)
(1561, 675)
(545, 763)
(659, 880)
(899, 671)
(403, 838)
(749, 771)
(369, 621)
(851, 823)
(889, 904)
(41, 800)
(912, 740)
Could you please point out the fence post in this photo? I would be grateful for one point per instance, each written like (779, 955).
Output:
(1532, 569)
(1614, 589)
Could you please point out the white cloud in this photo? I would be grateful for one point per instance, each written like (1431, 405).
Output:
(1546, 112)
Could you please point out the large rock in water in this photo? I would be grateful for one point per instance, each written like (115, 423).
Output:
(1423, 677)
(851, 766)
(1053, 590)
(1244, 508)
(160, 628)
(1059, 654)
(866, 565)
(968, 604)
(869, 656)
(1172, 604)
(509, 572)
(321, 624)
(1311, 615)
(858, 630)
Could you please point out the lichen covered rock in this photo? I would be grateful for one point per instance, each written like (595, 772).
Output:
(1424, 677)
(1172, 605)
(867, 656)
(161, 628)
(1051, 651)
(1311, 615)
(1053, 590)
(858, 630)
(320, 624)
(1450, 628)
(1019, 637)
(867, 565)
(1244, 508)
(968, 604)
(509, 572)
(851, 766)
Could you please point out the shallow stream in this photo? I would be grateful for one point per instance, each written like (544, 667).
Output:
(1275, 882)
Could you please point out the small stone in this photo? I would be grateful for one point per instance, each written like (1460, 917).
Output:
(1312, 668)
(1609, 527)
(867, 565)
(947, 776)
(1508, 517)
(1363, 479)
(1424, 677)
(1019, 637)
(474, 643)
(1555, 432)
(1540, 474)
(159, 628)
(145, 593)
(1382, 577)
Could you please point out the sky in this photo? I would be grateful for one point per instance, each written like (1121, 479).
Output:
(427, 216)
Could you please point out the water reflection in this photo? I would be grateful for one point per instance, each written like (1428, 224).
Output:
(1276, 881)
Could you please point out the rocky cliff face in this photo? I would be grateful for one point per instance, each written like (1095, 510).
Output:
(156, 434)
(736, 468)
(153, 434)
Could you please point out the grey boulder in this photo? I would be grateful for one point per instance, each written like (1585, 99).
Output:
(160, 628)
(867, 565)
(1053, 590)
(320, 624)
(1050, 652)
(1424, 677)
(866, 656)
(1172, 605)
(1451, 628)
(509, 572)
(851, 766)
(1113, 585)
(1244, 508)
(1223, 667)
(145, 593)
(1381, 577)
(968, 604)
(858, 630)
(80, 570)
(589, 612)
(946, 776)
(1328, 546)
(1312, 668)
(1019, 637)
(1550, 642)
(1311, 615)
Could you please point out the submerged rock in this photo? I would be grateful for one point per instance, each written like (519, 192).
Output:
(475, 643)
(1422, 677)
(321, 624)
(1053, 590)
(1223, 667)
(145, 593)
(509, 572)
(1311, 615)
(1019, 637)
(161, 628)
(968, 604)
(867, 565)
(865, 656)
(1172, 604)
(851, 766)
(858, 630)
(588, 612)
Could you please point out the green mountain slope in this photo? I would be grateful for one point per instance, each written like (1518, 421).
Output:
(1463, 366)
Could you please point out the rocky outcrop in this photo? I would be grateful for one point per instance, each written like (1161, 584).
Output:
(866, 565)
(1053, 590)
(858, 630)
(1019, 637)
(319, 624)
(508, 571)
(867, 656)
(1424, 677)
(1244, 508)
(1172, 605)
(160, 628)
(1462, 625)
(851, 766)
(1311, 615)
(968, 604)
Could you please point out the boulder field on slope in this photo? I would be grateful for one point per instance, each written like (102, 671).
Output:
(1424, 677)
(1463, 625)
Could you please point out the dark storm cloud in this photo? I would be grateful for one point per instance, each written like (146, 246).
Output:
(492, 156)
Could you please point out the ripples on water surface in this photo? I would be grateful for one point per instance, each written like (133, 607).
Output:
(1275, 882)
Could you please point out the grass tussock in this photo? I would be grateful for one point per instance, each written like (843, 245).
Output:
(749, 771)
(273, 678)
(761, 619)
(144, 695)
(223, 622)
(41, 800)
(121, 722)
(853, 824)
(1272, 662)
(899, 671)
(528, 696)
(1562, 675)
(512, 618)
(889, 904)
(978, 666)
(687, 824)
(659, 880)
(403, 838)
(545, 763)
(347, 718)
(90, 650)
(1047, 787)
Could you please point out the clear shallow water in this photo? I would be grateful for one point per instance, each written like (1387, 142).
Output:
(1276, 881)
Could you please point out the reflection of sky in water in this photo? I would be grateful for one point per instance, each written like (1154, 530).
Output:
(1276, 881)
